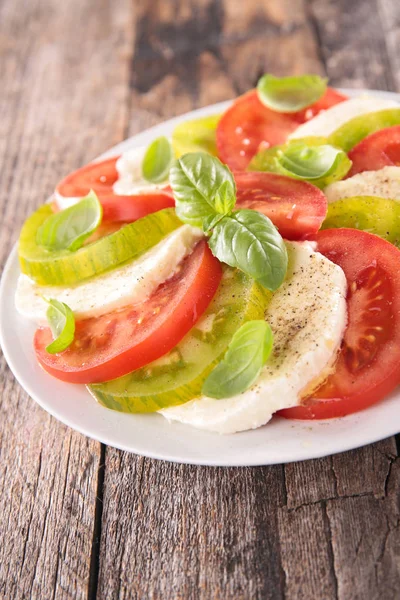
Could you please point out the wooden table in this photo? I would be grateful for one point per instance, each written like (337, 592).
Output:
(80, 520)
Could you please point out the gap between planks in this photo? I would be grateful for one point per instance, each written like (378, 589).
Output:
(98, 516)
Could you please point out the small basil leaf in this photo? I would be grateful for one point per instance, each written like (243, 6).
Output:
(290, 94)
(247, 353)
(265, 159)
(196, 136)
(157, 160)
(225, 198)
(308, 159)
(197, 182)
(249, 241)
(62, 325)
(69, 228)
(312, 163)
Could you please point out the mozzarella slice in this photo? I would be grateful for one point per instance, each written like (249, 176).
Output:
(129, 183)
(131, 180)
(327, 121)
(131, 283)
(308, 317)
(384, 183)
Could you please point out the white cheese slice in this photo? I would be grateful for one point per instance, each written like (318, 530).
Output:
(131, 180)
(308, 317)
(131, 283)
(327, 121)
(384, 183)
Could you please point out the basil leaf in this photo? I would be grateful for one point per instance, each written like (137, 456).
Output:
(312, 163)
(157, 160)
(197, 181)
(196, 136)
(290, 94)
(69, 228)
(62, 325)
(265, 159)
(309, 159)
(249, 241)
(247, 353)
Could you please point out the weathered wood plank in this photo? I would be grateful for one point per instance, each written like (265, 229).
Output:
(366, 542)
(273, 37)
(62, 101)
(353, 42)
(306, 552)
(172, 531)
(358, 472)
(389, 12)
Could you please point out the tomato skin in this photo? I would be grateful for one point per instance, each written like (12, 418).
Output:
(297, 208)
(113, 345)
(368, 365)
(126, 209)
(100, 177)
(248, 126)
(376, 151)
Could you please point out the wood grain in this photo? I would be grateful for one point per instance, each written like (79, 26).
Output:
(354, 43)
(78, 77)
(189, 532)
(53, 117)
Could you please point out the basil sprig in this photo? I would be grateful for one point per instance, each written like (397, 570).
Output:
(247, 353)
(205, 196)
(157, 160)
(62, 324)
(69, 228)
(290, 94)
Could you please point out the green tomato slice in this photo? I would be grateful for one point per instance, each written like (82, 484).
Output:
(355, 130)
(196, 136)
(324, 165)
(380, 216)
(63, 267)
(178, 376)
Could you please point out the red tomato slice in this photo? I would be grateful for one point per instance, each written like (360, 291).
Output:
(297, 208)
(248, 126)
(368, 366)
(100, 177)
(131, 208)
(378, 150)
(124, 340)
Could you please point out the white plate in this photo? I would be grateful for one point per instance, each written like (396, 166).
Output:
(151, 435)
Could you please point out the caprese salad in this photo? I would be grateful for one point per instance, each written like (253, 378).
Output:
(245, 267)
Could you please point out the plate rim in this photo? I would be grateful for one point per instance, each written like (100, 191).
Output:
(23, 381)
